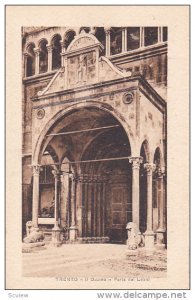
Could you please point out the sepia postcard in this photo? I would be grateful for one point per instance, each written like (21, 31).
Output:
(97, 139)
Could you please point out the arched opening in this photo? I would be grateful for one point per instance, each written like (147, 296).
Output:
(107, 188)
(43, 57)
(116, 40)
(101, 36)
(92, 146)
(56, 52)
(30, 64)
(69, 38)
(144, 153)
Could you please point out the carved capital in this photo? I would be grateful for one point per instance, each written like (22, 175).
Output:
(25, 54)
(160, 172)
(36, 170)
(56, 174)
(150, 168)
(36, 51)
(64, 175)
(72, 176)
(107, 30)
(49, 48)
(136, 161)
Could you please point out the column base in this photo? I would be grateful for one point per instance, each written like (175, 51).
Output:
(73, 230)
(149, 240)
(56, 236)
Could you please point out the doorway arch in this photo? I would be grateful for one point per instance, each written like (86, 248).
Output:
(94, 140)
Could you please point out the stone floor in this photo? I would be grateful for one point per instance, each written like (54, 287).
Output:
(92, 260)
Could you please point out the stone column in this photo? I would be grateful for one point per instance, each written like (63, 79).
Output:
(25, 57)
(160, 34)
(161, 206)
(124, 39)
(35, 204)
(95, 210)
(64, 199)
(99, 204)
(56, 231)
(107, 31)
(103, 207)
(63, 47)
(142, 43)
(149, 234)
(37, 52)
(135, 189)
(73, 228)
(49, 50)
(79, 205)
(89, 207)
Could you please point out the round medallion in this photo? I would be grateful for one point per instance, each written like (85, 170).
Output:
(40, 113)
(128, 98)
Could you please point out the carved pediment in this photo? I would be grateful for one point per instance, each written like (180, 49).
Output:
(83, 40)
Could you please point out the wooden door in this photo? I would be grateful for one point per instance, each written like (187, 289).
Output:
(121, 212)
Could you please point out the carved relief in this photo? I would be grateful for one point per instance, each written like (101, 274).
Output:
(81, 69)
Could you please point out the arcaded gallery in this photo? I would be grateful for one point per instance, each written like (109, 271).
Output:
(94, 133)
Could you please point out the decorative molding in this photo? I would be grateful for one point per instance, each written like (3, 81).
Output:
(122, 73)
(41, 93)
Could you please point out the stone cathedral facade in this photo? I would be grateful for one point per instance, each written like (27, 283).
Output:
(94, 132)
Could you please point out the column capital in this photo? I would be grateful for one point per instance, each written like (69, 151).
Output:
(56, 173)
(107, 30)
(72, 176)
(64, 175)
(25, 54)
(36, 169)
(135, 161)
(150, 168)
(160, 172)
(49, 48)
(37, 51)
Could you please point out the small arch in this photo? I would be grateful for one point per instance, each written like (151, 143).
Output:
(43, 56)
(69, 37)
(145, 151)
(56, 52)
(30, 63)
(157, 158)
